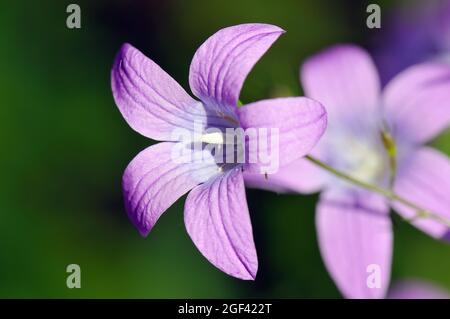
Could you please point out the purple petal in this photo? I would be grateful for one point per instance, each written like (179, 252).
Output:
(344, 79)
(424, 178)
(415, 289)
(151, 101)
(154, 180)
(417, 102)
(300, 176)
(223, 61)
(217, 219)
(298, 122)
(355, 239)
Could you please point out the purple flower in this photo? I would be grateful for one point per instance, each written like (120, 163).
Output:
(216, 213)
(416, 289)
(353, 225)
(413, 34)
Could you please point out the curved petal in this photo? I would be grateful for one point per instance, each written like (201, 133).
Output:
(280, 131)
(300, 176)
(345, 80)
(217, 219)
(424, 178)
(157, 177)
(151, 102)
(355, 239)
(417, 102)
(223, 61)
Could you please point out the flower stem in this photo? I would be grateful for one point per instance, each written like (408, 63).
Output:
(420, 212)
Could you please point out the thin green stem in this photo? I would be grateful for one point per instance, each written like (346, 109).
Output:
(420, 212)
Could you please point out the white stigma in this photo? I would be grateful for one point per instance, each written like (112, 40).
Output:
(363, 161)
(213, 138)
(358, 157)
(217, 138)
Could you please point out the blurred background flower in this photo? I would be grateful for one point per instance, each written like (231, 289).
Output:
(65, 146)
(414, 31)
(417, 289)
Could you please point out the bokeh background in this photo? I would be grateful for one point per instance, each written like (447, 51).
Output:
(64, 146)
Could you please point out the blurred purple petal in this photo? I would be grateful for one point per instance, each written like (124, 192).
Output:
(217, 219)
(354, 233)
(417, 102)
(151, 102)
(299, 176)
(413, 33)
(415, 289)
(153, 181)
(345, 80)
(424, 178)
(223, 61)
(300, 123)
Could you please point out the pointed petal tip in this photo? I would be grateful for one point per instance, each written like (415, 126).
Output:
(250, 276)
(271, 27)
(248, 272)
(140, 226)
(143, 229)
(126, 47)
(277, 29)
(124, 50)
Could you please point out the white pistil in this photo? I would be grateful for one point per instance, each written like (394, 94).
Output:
(217, 138)
(213, 138)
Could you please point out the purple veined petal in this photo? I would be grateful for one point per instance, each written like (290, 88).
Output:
(424, 178)
(286, 130)
(300, 176)
(355, 239)
(223, 61)
(416, 102)
(151, 102)
(155, 179)
(416, 289)
(345, 80)
(218, 221)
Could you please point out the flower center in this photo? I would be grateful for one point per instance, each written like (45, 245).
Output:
(217, 138)
(227, 147)
(362, 159)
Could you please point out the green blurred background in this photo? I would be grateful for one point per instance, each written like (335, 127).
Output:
(65, 146)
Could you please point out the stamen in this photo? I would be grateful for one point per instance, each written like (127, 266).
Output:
(391, 150)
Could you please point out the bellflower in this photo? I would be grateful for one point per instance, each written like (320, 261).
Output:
(414, 33)
(215, 213)
(353, 225)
